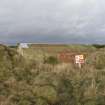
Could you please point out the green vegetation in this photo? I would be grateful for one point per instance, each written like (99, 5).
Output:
(98, 46)
(51, 60)
(26, 80)
(13, 46)
(83, 48)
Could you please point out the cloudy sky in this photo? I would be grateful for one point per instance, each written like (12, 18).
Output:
(52, 21)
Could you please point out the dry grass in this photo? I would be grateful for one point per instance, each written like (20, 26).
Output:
(27, 81)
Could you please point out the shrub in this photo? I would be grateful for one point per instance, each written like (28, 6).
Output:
(98, 46)
(51, 60)
(54, 89)
(100, 61)
(97, 60)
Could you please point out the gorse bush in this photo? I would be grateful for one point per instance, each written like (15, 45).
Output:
(51, 60)
(53, 88)
(25, 82)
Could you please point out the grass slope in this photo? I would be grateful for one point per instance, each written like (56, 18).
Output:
(24, 81)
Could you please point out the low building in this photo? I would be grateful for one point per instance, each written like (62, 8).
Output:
(23, 45)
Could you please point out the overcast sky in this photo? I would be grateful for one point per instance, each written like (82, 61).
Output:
(52, 21)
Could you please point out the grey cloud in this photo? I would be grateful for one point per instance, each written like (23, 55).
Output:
(75, 21)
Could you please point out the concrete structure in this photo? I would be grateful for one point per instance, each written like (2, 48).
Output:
(22, 46)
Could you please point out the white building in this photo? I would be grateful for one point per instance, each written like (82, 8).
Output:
(23, 45)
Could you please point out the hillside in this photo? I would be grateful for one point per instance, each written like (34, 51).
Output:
(40, 51)
(25, 81)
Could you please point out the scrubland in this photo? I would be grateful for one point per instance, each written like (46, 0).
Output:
(37, 79)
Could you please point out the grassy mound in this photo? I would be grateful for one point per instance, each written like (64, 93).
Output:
(19, 85)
